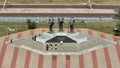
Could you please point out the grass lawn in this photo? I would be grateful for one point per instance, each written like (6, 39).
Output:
(103, 27)
(62, 1)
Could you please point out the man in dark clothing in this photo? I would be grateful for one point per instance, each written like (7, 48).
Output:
(11, 41)
(35, 38)
(72, 21)
(60, 21)
(47, 47)
(51, 23)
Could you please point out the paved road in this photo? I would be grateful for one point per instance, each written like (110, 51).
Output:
(60, 14)
(56, 15)
(63, 6)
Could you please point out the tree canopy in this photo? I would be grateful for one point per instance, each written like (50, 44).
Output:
(117, 16)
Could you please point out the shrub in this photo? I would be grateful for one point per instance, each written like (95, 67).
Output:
(31, 25)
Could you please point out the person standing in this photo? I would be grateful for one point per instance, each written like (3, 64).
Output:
(35, 38)
(51, 23)
(72, 21)
(51, 47)
(47, 47)
(11, 41)
(60, 21)
(56, 47)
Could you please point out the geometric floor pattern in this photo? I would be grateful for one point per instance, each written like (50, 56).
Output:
(15, 57)
(92, 43)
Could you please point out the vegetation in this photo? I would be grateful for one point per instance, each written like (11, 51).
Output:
(117, 17)
(31, 25)
(62, 1)
(103, 27)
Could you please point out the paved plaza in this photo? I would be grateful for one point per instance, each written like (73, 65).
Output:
(99, 51)
(92, 43)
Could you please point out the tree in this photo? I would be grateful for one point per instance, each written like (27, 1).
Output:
(117, 17)
(31, 25)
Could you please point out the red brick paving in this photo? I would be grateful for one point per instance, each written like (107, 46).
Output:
(54, 61)
(19, 35)
(40, 63)
(90, 32)
(94, 59)
(81, 61)
(15, 54)
(27, 61)
(67, 58)
(118, 51)
(102, 35)
(32, 32)
(107, 57)
(2, 54)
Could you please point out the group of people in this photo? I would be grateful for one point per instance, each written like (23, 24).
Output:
(34, 38)
(60, 22)
(51, 47)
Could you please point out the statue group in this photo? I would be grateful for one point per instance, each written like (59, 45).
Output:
(60, 23)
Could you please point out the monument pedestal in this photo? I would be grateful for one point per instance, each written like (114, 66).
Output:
(56, 37)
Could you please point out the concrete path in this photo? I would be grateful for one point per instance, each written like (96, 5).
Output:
(55, 10)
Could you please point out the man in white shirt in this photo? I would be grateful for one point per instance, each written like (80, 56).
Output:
(60, 21)
(72, 21)
(51, 23)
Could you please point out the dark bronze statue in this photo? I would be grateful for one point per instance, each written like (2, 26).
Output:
(72, 21)
(60, 21)
(51, 23)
